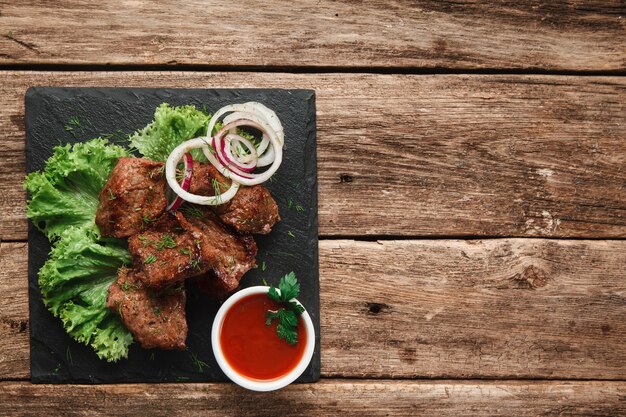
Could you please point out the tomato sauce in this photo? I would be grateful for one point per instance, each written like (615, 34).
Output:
(253, 349)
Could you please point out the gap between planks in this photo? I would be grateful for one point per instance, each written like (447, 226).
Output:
(310, 70)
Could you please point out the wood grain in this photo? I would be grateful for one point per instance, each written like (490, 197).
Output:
(345, 398)
(384, 34)
(402, 155)
(501, 308)
(14, 353)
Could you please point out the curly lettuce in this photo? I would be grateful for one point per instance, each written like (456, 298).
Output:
(171, 127)
(65, 193)
(75, 280)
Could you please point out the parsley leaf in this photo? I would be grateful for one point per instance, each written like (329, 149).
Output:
(289, 287)
(273, 294)
(296, 307)
(287, 316)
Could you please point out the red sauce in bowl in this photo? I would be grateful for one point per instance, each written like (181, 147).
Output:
(253, 349)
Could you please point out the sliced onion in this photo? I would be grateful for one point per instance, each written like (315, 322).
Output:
(247, 115)
(188, 160)
(170, 175)
(245, 162)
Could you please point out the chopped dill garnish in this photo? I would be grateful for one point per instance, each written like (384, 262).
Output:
(299, 208)
(290, 233)
(145, 241)
(217, 190)
(150, 259)
(195, 263)
(127, 286)
(68, 356)
(263, 266)
(190, 210)
(200, 364)
(167, 241)
(73, 124)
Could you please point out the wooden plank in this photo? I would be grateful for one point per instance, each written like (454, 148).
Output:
(427, 34)
(501, 308)
(407, 155)
(346, 398)
(14, 354)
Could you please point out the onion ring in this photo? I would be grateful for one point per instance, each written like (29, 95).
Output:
(173, 206)
(232, 172)
(170, 175)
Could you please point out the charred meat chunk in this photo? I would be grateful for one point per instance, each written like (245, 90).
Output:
(252, 210)
(231, 255)
(168, 253)
(133, 197)
(176, 248)
(156, 319)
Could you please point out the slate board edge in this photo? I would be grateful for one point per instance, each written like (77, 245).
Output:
(31, 99)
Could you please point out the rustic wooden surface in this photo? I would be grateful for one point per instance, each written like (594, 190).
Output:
(472, 193)
(450, 155)
(334, 397)
(499, 308)
(564, 35)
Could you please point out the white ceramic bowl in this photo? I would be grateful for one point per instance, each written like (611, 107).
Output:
(242, 380)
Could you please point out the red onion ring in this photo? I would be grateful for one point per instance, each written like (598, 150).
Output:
(184, 184)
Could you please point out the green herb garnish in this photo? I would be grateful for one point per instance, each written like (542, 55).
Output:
(150, 259)
(167, 241)
(200, 364)
(72, 124)
(287, 316)
(191, 210)
(68, 356)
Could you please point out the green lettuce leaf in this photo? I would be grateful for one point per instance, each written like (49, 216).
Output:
(171, 127)
(74, 283)
(65, 194)
(75, 279)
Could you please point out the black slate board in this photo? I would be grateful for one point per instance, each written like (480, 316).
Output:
(54, 356)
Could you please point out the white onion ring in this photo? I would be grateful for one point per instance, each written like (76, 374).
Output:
(252, 107)
(170, 175)
(245, 163)
(253, 120)
(173, 206)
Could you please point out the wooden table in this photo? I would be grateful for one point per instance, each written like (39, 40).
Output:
(472, 193)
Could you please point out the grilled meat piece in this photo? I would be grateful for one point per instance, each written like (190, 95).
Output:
(133, 196)
(232, 255)
(252, 210)
(168, 253)
(213, 287)
(156, 319)
(176, 248)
